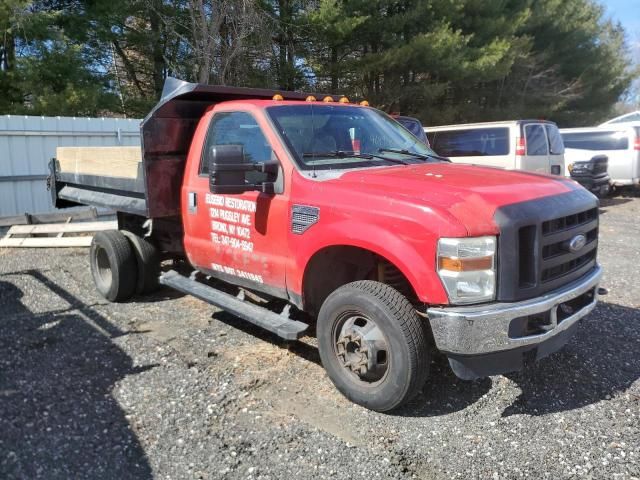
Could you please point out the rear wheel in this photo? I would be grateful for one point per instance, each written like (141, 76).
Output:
(148, 262)
(373, 345)
(113, 265)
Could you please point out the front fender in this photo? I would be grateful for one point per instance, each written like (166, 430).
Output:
(414, 257)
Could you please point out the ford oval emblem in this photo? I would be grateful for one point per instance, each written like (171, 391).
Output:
(577, 243)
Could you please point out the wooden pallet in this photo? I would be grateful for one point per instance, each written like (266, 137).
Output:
(23, 235)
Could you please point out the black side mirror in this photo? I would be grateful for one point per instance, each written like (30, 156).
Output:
(228, 169)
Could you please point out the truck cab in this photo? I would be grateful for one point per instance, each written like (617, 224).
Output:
(337, 211)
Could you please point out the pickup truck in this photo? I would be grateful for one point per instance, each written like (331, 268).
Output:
(336, 215)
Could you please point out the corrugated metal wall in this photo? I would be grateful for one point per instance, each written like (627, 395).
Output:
(28, 143)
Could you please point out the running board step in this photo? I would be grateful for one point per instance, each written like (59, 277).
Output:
(280, 325)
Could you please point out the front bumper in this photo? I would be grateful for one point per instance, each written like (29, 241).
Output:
(512, 328)
(592, 182)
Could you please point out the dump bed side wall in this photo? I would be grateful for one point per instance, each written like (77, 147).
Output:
(166, 138)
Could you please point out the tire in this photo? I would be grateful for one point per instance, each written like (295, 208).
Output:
(113, 265)
(407, 355)
(148, 263)
(603, 191)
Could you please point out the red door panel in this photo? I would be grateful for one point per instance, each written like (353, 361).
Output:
(241, 238)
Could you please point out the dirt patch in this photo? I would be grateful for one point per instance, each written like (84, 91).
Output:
(293, 386)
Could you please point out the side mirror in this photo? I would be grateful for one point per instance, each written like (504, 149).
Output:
(228, 171)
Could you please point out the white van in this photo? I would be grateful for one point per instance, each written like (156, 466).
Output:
(533, 145)
(621, 143)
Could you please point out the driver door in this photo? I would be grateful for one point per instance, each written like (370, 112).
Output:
(240, 238)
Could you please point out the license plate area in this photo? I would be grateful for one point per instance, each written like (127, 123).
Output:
(543, 322)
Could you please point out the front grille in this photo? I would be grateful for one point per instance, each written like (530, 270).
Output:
(557, 258)
(535, 244)
(570, 221)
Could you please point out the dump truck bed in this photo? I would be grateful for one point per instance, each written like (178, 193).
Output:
(110, 177)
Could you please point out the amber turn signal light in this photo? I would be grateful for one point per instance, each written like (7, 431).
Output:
(465, 264)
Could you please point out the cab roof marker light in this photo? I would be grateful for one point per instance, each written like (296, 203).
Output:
(364, 103)
(327, 99)
(277, 98)
(343, 100)
(310, 98)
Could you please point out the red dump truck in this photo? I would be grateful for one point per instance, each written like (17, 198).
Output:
(333, 209)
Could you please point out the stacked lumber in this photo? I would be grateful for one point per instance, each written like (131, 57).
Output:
(53, 234)
(103, 161)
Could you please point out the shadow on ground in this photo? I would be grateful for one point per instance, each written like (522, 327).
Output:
(58, 418)
(303, 350)
(606, 203)
(600, 361)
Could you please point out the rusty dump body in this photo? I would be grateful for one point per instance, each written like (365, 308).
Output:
(166, 136)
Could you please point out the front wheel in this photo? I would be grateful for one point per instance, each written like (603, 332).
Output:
(373, 345)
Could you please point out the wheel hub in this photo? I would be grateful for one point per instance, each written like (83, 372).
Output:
(362, 348)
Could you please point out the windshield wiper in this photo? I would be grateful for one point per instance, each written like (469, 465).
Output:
(338, 154)
(345, 154)
(421, 156)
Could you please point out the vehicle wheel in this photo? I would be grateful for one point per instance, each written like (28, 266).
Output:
(603, 191)
(373, 345)
(113, 265)
(148, 262)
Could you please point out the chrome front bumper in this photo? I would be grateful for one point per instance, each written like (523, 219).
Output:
(482, 329)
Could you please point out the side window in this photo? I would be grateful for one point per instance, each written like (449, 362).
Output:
(478, 142)
(556, 146)
(536, 140)
(596, 140)
(237, 128)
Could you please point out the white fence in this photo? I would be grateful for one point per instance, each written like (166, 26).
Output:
(27, 144)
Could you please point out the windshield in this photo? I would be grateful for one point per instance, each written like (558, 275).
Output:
(342, 136)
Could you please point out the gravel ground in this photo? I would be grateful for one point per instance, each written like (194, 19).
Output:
(159, 387)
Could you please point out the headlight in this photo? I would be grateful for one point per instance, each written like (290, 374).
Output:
(467, 268)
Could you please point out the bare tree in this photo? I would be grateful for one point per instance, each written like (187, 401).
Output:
(214, 34)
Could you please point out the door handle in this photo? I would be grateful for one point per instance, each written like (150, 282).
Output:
(193, 202)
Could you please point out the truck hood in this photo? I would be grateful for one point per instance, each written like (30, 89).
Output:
(469, 193)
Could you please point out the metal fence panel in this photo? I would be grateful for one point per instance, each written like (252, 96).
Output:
(28, 143)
